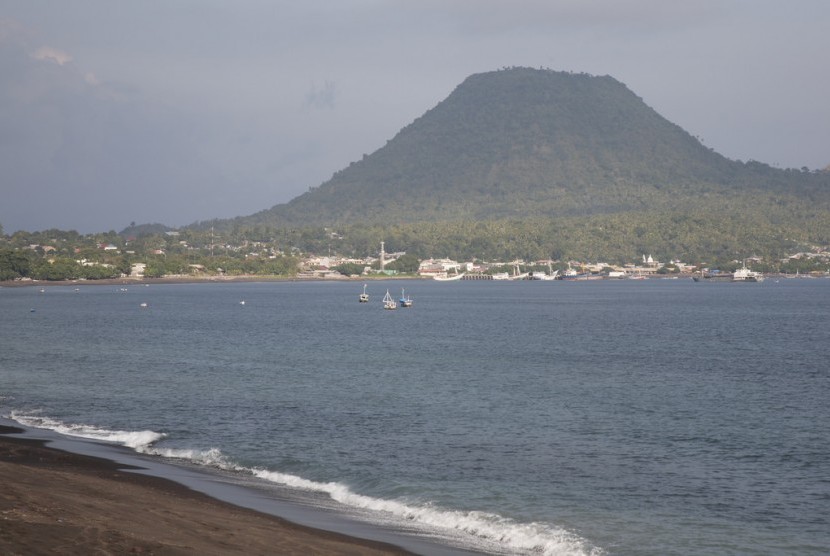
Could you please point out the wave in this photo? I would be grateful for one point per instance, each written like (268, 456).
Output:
(485, 531)
(137, 440)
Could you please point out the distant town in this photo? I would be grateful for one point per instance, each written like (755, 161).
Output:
(62, 256)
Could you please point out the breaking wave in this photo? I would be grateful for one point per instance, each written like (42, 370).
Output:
(485, 531)
(137, 440)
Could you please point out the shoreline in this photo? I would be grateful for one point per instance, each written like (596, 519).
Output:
(193, 280)
(130, 281)
(60, 501)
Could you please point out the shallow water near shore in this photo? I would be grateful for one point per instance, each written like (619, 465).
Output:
(631, 417)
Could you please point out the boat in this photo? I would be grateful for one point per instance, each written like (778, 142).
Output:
(517, 273)
(388, 302)
(572, 274)
(713, 276)
(501, 276)
(444, 277)
(364, 297)
(542, 276)
(405, 300)
(554, 274)
(743, 274)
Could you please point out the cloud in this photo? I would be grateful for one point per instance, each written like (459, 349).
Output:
(322, 98)
(47, 53)
(77, 156)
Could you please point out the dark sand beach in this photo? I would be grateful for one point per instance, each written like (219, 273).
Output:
(55, 502)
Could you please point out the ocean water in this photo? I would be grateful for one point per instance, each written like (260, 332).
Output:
(654, 417)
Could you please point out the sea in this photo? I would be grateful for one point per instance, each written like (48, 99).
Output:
(648, 417)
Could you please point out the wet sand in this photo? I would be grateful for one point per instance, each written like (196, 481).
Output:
(55, 502)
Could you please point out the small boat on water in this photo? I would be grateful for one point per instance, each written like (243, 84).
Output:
(743, 274)
(542, 276)
(444, 277)
(713, 276)
(405, 300)
(539, 275)
(364, 297)
(388, 302)
(517, 273)
(572, 274)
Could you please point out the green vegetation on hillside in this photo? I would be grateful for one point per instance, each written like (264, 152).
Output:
(55, 255)
(523, 143)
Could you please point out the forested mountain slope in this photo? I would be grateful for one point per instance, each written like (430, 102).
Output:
(524, 144)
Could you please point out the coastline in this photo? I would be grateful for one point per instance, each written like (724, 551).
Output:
(193, 280)
(62, 502)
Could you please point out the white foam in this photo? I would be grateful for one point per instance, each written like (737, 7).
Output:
(488, 532)
(141, 441)
(210, 458)
(137, 440)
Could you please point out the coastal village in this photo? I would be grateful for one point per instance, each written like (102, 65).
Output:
(251, 259)
(448, 269)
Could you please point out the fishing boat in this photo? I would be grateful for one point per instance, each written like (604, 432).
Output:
(364, 297)
(517, 273)
(572, 274)
(405, 300)
(540, 275)
(388, 302)
(444, 277)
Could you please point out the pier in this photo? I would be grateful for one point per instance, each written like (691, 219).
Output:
(477, 276)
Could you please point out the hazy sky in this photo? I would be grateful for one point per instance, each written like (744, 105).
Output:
(174, 111)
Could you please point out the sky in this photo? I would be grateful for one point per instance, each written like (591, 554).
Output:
(177, 111)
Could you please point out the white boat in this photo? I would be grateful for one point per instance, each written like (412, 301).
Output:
(364, 297)
(743, 274)
(554, 274)
(501, 276)
(388, 302)
(518, 274)
(444, 277)
(405, 300)
(572, 274)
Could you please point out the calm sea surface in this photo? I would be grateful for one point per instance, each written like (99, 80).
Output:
(651, 417)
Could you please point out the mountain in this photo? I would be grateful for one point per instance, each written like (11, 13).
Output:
(542, 163)
(532, 143)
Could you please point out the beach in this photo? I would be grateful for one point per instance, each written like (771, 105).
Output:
(55, 502)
